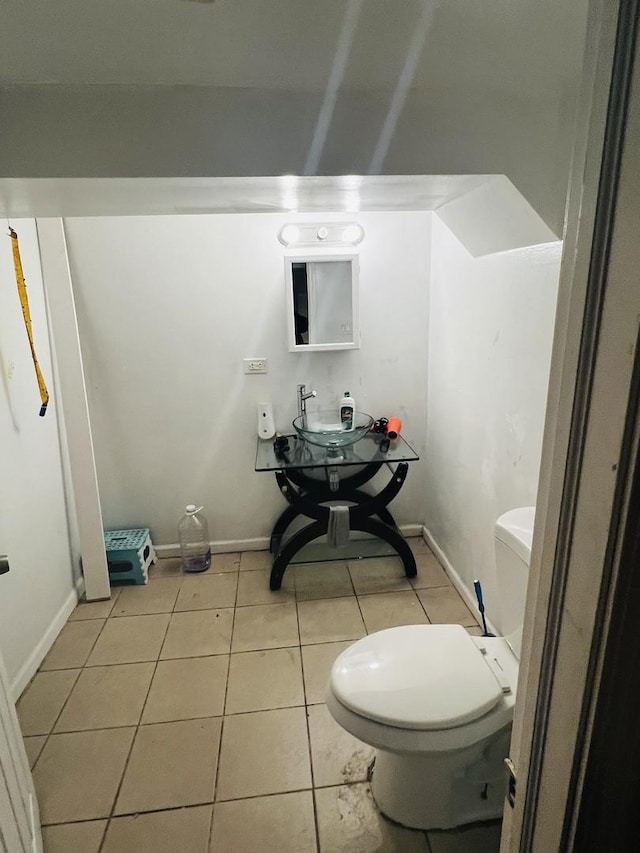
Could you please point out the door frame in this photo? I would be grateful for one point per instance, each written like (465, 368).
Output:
(571, 552)
(587, 453)
(19, 813)
(73, 402)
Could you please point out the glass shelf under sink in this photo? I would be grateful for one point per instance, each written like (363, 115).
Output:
(319, 551)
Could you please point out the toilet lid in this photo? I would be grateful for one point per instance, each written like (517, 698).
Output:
(416, 677)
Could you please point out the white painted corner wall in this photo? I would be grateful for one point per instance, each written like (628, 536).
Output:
(78, 458)
(458, 346)
(490, 336)
(168, 307)
(39, 592)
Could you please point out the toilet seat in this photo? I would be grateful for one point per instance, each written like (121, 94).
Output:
(417, 677)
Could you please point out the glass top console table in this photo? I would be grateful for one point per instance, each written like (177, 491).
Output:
(310, 476)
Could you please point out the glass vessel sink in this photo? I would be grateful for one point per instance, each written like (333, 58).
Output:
(324, 429)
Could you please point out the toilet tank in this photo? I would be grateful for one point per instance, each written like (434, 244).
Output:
(513, 535)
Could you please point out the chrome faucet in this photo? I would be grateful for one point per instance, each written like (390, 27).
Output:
(303, 396)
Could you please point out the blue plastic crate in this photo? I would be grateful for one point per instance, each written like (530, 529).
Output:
(129, 555)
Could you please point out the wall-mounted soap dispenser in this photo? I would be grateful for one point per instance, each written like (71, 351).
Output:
(266, 425)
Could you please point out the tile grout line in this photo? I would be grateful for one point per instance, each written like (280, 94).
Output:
(80, 669)
(135, 734)
(316, 822)
(224, 709)
(366, 629)
(323, 642)
(137, 727)
(55, 722)
(422, 605)
(306, 718)
(201, 803)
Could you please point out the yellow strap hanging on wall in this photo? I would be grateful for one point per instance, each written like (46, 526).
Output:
(24, 302)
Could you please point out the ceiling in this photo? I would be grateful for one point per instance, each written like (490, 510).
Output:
(168, 88)
(532, 46)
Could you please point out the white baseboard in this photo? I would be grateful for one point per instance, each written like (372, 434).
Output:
(410, 530)
(467, 594)
(30, 666)
(79, 585)
(223, 546)
(260, 543)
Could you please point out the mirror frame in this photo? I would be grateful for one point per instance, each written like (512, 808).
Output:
(304, 257)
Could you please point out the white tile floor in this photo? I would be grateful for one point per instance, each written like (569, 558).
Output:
(188, 714)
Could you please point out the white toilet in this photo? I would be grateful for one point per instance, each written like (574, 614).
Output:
(437, 703)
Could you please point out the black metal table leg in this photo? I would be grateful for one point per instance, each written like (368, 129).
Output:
(306, 496)
(358, 497)
(297, 541)
(289, 515)
(280, 527)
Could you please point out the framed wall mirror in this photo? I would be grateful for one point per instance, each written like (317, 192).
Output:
(322, 302)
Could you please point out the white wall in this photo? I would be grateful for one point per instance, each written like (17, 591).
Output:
(38, 593)
(169, 306)
(490, 334)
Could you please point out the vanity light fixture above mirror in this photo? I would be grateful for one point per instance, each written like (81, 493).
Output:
(300, 234)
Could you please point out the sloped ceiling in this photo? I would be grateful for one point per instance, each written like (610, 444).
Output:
(167, 88)
(512, 45)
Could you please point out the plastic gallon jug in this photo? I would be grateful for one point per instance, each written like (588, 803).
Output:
(193, 533)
